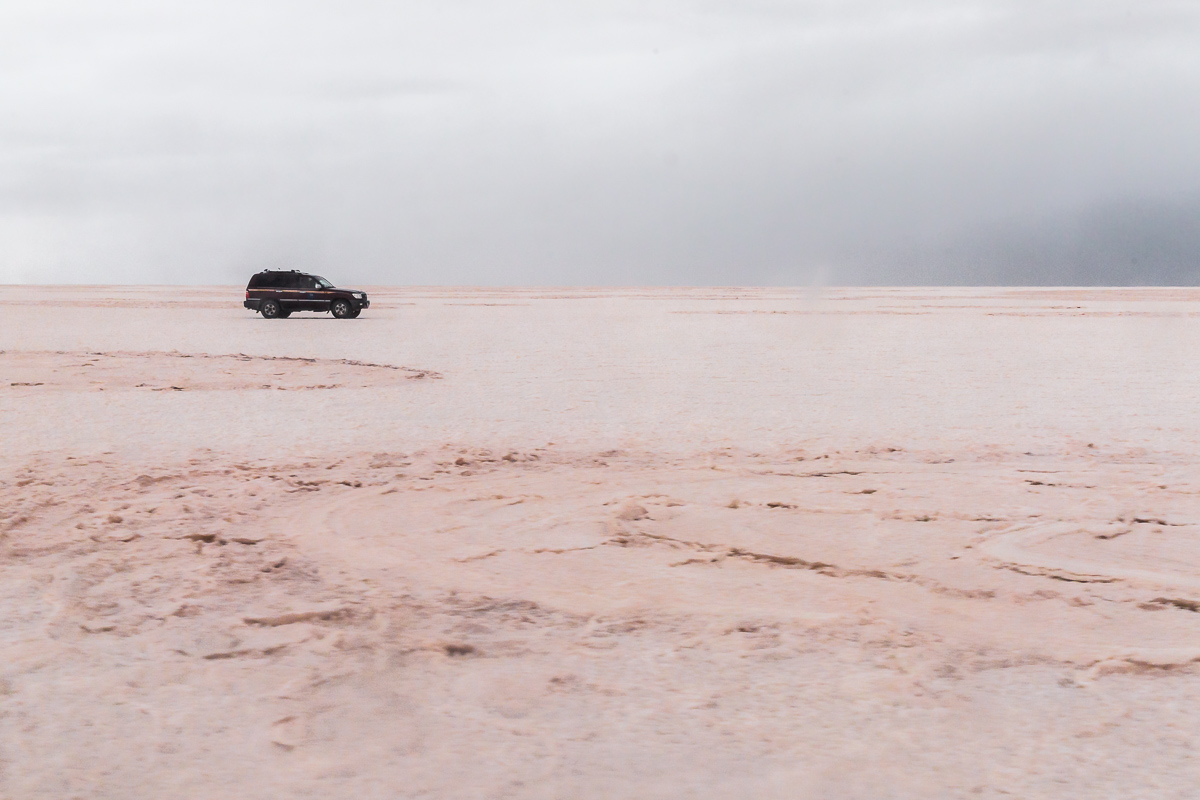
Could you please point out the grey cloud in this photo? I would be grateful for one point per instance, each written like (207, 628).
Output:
(662, 142)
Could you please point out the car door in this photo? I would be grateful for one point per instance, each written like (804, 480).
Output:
(315, 298)
(291, 294)
(271, 287)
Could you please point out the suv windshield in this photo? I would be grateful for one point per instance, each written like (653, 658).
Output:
(322, 283)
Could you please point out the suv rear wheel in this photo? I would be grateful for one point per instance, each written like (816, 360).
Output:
(270, 309)
(340, 308)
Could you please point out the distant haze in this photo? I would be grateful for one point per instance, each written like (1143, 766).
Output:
(613, 142)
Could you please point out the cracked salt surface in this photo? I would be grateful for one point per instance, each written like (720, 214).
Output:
(711, 555)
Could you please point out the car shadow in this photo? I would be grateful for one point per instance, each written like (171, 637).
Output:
(296, 317)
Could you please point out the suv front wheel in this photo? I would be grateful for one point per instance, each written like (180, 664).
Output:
(340, 308)
(270, 309)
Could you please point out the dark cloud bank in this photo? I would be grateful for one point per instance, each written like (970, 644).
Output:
(602, 142)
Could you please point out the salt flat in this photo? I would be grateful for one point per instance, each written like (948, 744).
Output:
(601, 543)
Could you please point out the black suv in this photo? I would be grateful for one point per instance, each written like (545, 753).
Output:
(274, 293)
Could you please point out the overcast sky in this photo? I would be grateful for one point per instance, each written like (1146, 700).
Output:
(613, 142)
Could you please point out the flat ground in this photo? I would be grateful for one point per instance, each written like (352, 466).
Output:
(601, 544)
